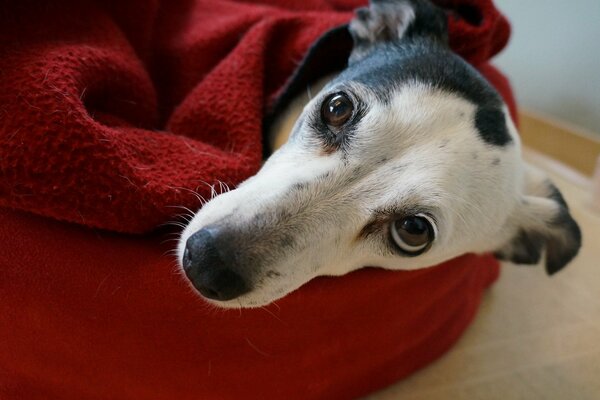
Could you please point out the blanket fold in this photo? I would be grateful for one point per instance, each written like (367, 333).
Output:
(114, 112)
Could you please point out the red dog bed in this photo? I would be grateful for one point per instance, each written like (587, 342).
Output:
(113, 112)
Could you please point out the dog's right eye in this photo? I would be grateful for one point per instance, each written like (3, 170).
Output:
(413, 234)
(337, 109)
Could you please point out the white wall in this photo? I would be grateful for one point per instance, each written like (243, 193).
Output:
(553, 58)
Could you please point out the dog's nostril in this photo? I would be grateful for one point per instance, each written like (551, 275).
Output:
(210, 272)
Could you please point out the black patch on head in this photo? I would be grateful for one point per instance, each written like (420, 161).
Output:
(419, 59)
(422, 54)
(490, 122)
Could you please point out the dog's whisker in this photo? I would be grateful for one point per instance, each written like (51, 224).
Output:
(199, 197)
(259, 351)
(173, 223)
(276, 305)
(272, 314)
(189, 211)
(309, 92)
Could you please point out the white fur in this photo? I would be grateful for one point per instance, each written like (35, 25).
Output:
(434, 159)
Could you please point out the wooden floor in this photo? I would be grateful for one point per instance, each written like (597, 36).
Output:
(534, 337)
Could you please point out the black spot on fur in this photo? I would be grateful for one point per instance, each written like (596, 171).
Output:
(273, 274)
(286, 241)
(325, 176)
(299, 186)
(491, 124)
(496, 161)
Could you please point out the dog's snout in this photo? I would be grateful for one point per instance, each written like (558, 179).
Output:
(209, 270)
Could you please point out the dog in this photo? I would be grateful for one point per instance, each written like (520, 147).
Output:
(405, 159)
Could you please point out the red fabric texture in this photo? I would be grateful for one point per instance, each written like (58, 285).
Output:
(98, 316)
(112, 112)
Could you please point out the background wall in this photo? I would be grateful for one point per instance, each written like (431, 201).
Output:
(553, 58)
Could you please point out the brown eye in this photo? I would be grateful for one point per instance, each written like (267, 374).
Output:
(413, 234)
(337, 110)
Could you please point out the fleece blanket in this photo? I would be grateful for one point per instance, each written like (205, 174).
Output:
(112, 114)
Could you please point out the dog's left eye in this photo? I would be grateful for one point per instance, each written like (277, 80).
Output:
(413, 234)
(337, 110)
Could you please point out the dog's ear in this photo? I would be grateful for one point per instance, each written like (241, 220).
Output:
(541, 221)
(394, 20)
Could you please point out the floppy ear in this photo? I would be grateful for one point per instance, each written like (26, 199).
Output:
(395, 20)
(541, 221)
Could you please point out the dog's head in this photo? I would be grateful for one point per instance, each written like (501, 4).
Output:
(406, 159)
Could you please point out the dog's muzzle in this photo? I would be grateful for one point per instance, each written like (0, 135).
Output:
(209, 269)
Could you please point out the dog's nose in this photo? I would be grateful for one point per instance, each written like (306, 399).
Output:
(209, 270)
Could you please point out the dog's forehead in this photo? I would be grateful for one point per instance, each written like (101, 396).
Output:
(419, 126)
(387, 72)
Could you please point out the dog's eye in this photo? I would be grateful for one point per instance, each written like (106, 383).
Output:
(337, 110)
(413, 234)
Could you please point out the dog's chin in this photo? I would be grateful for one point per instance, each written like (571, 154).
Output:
(252, 299)
(246, 301)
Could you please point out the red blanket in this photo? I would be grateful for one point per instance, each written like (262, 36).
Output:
(97, 317)
(114, 112)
